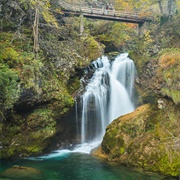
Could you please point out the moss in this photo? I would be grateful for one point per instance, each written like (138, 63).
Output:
(173, 93)
(28, 136)
(108, 140)
(122, 150)
(169, 163)
(112, 145)
(146, 138)
(21, 172)
(91, 48)
(131, 130)
(73, 85)
(169, 62)
(153, 119)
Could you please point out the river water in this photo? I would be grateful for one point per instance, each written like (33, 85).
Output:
(66, 165)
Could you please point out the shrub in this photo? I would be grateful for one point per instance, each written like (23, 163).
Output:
(169, 57)
(9, 87)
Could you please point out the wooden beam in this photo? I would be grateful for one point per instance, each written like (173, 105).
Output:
(129, 18)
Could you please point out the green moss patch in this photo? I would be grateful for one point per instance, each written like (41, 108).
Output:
(146, 138)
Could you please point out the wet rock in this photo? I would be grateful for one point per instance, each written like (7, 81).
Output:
(161, 104)
(22, 172)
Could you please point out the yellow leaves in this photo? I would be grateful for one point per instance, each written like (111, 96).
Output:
(166, 61)
(132, 26)
(33, 3)
(41, 3)
(44, 9)
(49, 18)
(58, 11)
(178, 5)
(48, 4)
(136, 5)
(8, 53)
(122, 5)
(148, 37)
(169, 59)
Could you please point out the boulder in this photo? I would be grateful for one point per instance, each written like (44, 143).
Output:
(22, 172)
(147, 138)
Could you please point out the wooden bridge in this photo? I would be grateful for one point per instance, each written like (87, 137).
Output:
(102, 13)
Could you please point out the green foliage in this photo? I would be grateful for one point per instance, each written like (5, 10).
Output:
(118, 34)
(41, 119)
(31, 71)
(112, 33)
(154, 40)
(73, 85)
(8, 54)
(9, 93)
(90, 48)
(169, 53)
(169, 62)
(14, 52)
(44, 9)
(23, 7)
(23, 62)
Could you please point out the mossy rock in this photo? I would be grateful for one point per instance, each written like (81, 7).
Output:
(146, 138)
(22, 172)
(31, 137)
(173, 93)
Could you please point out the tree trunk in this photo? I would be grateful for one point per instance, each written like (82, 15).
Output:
(171, 7)
(160, 7)
(35, 31)
(81, 24)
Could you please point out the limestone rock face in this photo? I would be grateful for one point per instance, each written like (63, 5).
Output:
(147, 137)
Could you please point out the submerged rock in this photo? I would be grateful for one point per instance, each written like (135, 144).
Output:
(22, 172)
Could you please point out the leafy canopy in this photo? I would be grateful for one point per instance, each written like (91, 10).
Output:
(44, 8)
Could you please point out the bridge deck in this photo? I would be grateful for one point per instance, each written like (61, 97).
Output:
(101, 13)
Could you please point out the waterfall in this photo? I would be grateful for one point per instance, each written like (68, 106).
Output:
(107, 96)
(121, 86)
(95, 102)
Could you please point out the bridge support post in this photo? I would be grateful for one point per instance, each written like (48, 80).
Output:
(142, 28)
(81, 24)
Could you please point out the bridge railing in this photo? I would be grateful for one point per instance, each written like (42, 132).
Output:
(103, 11)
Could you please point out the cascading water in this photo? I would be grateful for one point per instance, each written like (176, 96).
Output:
(121, 86)
(95, 103)
(123, 69)
(107, 96)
